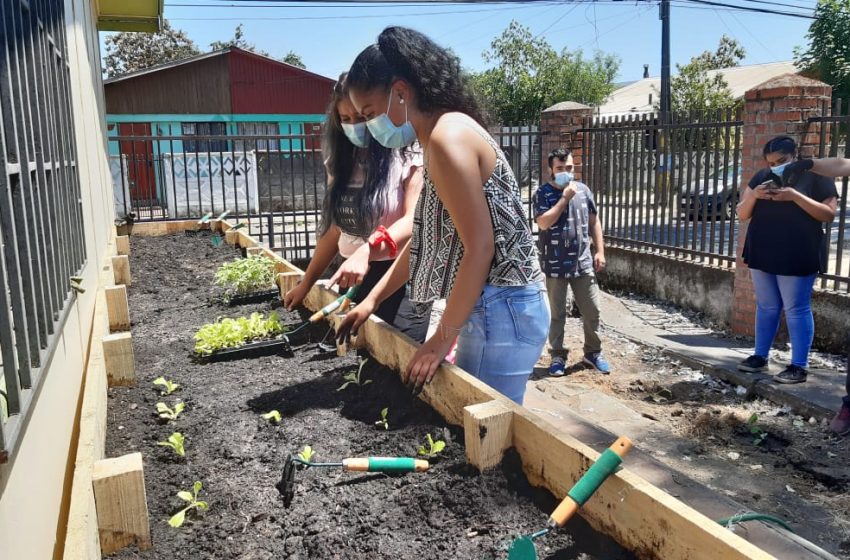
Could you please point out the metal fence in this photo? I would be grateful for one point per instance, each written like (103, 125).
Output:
(41, 223)
(834, 141)
(274, 183)
(669, 187)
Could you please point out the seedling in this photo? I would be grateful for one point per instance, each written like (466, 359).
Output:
(354, 378)
(168, 413)
(383, 421)
(230, 333)
(243, 276)
(272, 416)
(175, 442)
(306, 454)
(168, 386)
(759, 435)
(434, 447)
(192, 499)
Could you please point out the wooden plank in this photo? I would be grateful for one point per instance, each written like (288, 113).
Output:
(119, 359)
(253, 251)
(121, 269)
(122, 509)
(118, 308)
(288, 280)
(487, 433)
(81, 537)
(231, 237)
(122, 244)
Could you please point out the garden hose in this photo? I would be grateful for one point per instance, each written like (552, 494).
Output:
(727, 521)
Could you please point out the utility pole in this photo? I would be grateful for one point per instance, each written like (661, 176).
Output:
(664, 16)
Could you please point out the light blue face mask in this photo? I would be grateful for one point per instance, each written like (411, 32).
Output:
(387, 133)
(564, 178)
(356, 133)
(779, 169)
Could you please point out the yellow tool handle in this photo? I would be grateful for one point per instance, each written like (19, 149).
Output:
(590, 481)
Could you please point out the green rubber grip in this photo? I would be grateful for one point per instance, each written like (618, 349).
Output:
(604, 467)
(352, 291)
(392, 464)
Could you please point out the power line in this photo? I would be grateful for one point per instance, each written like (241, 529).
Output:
(751, 9)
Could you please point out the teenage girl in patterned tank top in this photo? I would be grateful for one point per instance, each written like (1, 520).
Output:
(367, 214)
(471, 242)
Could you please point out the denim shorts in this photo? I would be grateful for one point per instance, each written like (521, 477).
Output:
(504, 336)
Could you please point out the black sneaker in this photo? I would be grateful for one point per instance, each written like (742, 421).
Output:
(792, 374)
(753, 364)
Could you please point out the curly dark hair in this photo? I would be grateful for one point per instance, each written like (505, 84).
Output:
(340, 156)
(432, 71)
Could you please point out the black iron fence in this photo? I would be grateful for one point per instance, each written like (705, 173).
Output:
(834, 141)
(42, 242)
(669, 187)
(274, 183)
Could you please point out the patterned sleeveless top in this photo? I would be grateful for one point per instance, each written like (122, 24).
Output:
(436, 248)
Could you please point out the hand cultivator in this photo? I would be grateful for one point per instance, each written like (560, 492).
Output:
(286, 486)
(341, 303)
(607, 464)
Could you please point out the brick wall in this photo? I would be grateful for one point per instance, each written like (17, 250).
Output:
(559, 125)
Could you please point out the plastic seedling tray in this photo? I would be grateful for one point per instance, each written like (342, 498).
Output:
(252, 350)
(254, 297)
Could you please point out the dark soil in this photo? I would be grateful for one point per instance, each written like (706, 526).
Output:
(451, 511)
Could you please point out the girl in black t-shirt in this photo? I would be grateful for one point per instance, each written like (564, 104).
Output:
(787, 204)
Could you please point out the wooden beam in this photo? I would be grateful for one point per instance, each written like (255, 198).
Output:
(288, 280)
(121, 269)
(122, 244)
(122, 509)
(118, 308)
(231, 237)
(487, 433)
(252, 251)
(119, 359)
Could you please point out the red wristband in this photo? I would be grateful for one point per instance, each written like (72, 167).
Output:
(384, 236)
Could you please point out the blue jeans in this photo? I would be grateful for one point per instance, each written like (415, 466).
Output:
(504, 336)
(793, 294)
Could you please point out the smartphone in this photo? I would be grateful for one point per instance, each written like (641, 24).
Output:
(771, 185)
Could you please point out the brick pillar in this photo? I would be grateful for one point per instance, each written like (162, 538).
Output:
(779, 106)
(559, 124)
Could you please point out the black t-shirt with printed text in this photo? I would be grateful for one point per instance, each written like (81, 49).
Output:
(784, 239)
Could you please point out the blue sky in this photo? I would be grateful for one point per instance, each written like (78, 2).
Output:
(631, 30)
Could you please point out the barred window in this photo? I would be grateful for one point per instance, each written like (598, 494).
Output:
(206, 144)
(258, 129)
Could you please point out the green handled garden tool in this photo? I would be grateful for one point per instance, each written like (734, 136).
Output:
(607, 464)
(388, 465)
(342, 302)
(217, 238)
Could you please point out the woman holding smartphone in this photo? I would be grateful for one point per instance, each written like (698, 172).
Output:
(787, 205)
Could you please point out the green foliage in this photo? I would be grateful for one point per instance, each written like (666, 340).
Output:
(693, 89)
(191, 498)
(243, 276)
(383, 420)
(307, 454)
(529, 76)
(354, 378)
(239, 41)
(168, 386)
(272, 416)
(827, 56)
(230, 333)
(167, 413)
(433, 447)
(759, 435)
(175, 442)
(130, 52)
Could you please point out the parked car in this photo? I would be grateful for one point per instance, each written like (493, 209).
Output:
(714, 196)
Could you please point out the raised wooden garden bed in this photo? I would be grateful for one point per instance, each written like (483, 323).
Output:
(452, 511)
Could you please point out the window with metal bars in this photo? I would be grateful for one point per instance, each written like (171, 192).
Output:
(42, 240)
(257, 129)
(205, 129)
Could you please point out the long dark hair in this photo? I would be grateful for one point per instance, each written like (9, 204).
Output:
(340, 156)
(432, 71)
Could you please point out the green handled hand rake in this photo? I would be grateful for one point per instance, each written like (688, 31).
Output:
(607, 464)
(286, 486)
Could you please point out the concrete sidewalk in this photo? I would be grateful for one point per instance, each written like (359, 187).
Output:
(820, 396)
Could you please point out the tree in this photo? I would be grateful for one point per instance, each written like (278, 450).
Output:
(130, 52)
(529, 76)
(827, 56)
(693, 89)
(294, 59)
(239, 42)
